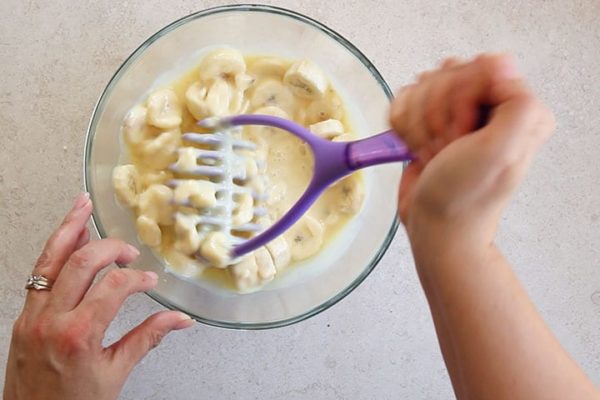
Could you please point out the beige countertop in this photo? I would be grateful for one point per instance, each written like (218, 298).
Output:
(379, 342)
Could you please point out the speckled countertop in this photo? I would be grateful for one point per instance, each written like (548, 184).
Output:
(379, 342)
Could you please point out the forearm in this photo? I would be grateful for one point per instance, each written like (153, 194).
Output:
(493, 340)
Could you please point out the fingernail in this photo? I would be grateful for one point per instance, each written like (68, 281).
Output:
(133, 251)
(185, 321)
(152, 275)
(81, 200)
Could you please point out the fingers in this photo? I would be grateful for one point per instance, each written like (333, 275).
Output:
(63, 241)
(82, 266)
(445, 103)
(83, 238)
(106, 297)
(138, 342)
(517, 128)
(59, 247)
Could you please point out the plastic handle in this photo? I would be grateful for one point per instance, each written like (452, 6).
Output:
(379, 149)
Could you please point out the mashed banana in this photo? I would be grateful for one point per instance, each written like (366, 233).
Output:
(170, 202)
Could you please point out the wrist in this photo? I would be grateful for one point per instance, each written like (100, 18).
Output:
(435, 238)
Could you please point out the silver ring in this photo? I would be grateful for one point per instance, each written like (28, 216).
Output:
(38, 282)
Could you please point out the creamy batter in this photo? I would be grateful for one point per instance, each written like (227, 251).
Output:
(276, 174)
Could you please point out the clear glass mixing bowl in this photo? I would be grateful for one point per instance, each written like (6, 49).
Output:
(307, 289)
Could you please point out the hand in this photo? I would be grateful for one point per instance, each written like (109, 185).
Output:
(56, 349)
(464, 176)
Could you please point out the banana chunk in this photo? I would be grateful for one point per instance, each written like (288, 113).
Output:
(195, 100)
(243, 81)
(327, 129)
(265, 266)
(222, 63)
(156, 203)
(272, 92)
(135, 128)
(329, 107)
(344, 137)
(162, 150)
(217, 99)
(164, 109)
(244, 211)
(187, 238)
(305, 237)
(269, 66)
(186, 159)
(306, 80)
(215, 249)
(148, 231)
(126, 182)
(245, 273)
(198, 193)
(352, 195)
(280, 253)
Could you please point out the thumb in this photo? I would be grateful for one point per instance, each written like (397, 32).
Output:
(132, 347)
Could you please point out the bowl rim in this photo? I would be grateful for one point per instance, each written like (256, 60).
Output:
(90, 132)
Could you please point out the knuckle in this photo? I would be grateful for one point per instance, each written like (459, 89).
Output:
(81, 258)
(117, 278)
(18, 328)
(74, 338)
(43, 260)
(38, 330)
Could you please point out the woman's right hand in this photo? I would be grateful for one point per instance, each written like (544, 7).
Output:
(464, 174)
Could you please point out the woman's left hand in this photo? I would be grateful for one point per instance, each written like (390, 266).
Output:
(56, 350)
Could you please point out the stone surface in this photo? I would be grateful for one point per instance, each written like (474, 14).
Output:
(379, 342)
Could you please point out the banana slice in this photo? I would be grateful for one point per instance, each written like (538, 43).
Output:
(151, 178)
(164, 110)
(126, 182)
(135, 128)
(327, 129)
(245, 273)
(272, 110)
(156, 203)
(162, 150)
(243, 81)
(216, 99)
(224, 63)
(239, 104)
(329, 107)
(269, 66)
(305, 238)
(195, 100)
(219, 98)
(215, 249)
(306, 80)
(280, 253)
(265, 266)
(245, 209)
(260, 134)
(351, 195)
(271, 92)
(251, 168)
(344, 137)
(199, 193)
(186, 159)
(187, 238)
(148, 231)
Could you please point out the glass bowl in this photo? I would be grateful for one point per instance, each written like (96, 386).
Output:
(313, 286)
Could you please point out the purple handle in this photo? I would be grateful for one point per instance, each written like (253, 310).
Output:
(332, 161)
(379, 149)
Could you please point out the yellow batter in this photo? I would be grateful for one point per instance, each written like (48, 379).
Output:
(227, 83)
